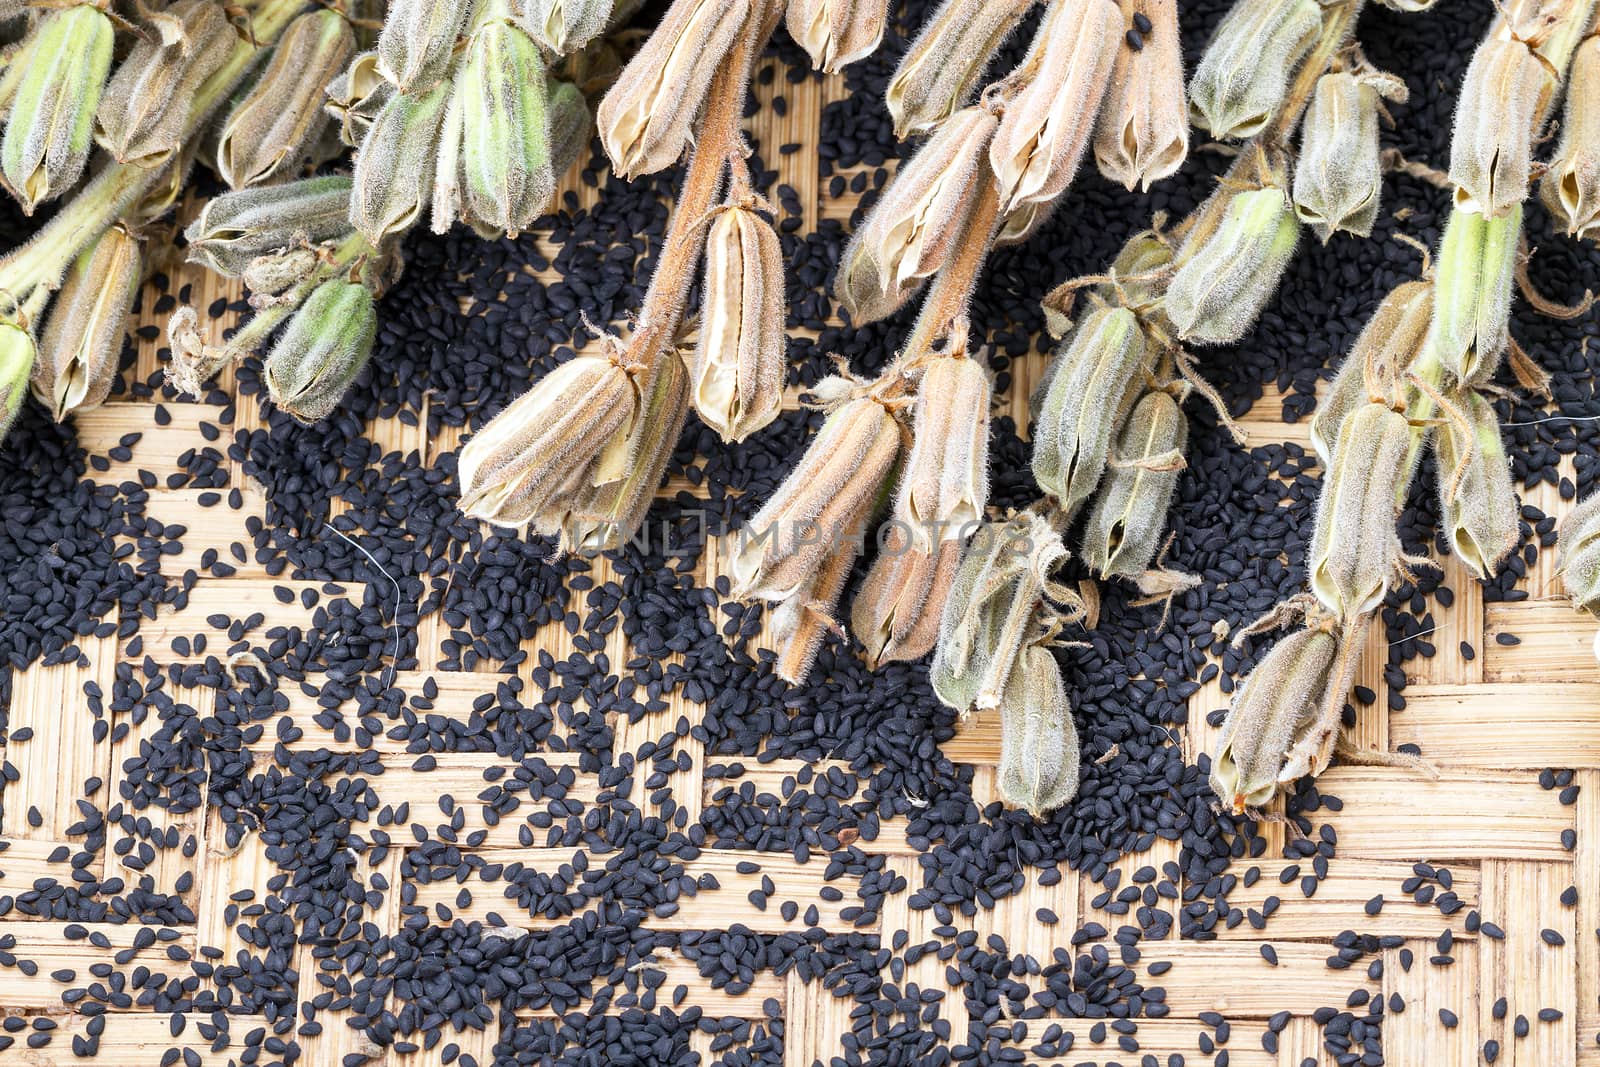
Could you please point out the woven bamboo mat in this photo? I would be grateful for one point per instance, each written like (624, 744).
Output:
(1492, 722)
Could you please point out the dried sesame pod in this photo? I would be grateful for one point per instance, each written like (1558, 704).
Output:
(414, 49)
(17, 352)
(1244, 72)
(563, 26)
(1275, 705)
(1491, 150)
(836, 33)
(276, 272)
(356, 96)
(939, 72)
(233, 229)
(913, 229)
(512, 468)
(1480, 516)
(1143, 132)
(394, 169)
(945, 485)
(801, 620)
(571, 126)
(738, 367)
(327, 342)
(271, 130)
(1571, 187)
(1038, 768)
(895, 614)
(826, 499)
(1092, 386)
(1227, 276)
(81, 349)
(1472, 292)
(1355, 549)
(1047, 125)
(646, 119)
(1390, 342)
(140, 119)
(1338, 178)
(50, 125)
(1579, 552)
(1123, 532)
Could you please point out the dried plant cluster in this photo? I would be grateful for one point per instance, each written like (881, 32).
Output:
(469, 111)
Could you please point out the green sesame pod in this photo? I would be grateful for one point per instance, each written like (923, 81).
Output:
(17, 352)
(50, 129)
(1354, 549)
(571, 126)
(1244, 72)
(80, 352)
(1391, 340)
(1579, 554)
(505, 148)
(418, 38)
(394, 169)
(1038, 769)
(234, 229)
(1123, 532)
(1497, 113)
(1338, 177)
(141, 114)
(1472, 298)
(321, 351)
(1226, 277)
(563, 26)
(1481, 517)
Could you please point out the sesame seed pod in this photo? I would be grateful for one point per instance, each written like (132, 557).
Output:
(277, 272)
(1244, 72)
(81, 349)
(802, 620)
(939, 72)
(646, 118)
(394, 168)
(738, 369)
(1491, 149)
(1143, 131)
(1273, 707)
(1038, 768)
(836, 33)
(1092, 386)
(320, 352)
(1338, 178)
(825, 499)
(17, 352)
(913, 228)
(1227, 276)
(564, 26)
(233, 229)
(1472, 292)
(270, 132)
(356, 96)
(1579, 554)
(1571, 187)
(515, 466)
(1355, 549)
(1391, 341)
(142, 112)
(1480, 517)
(896, 612)
(1047, 125)
(945, 484)
(1123, 532)
(50, 122)
(418, 37)
(571, 126)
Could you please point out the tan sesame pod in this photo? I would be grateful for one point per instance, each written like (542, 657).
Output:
(81, 350)
(1472, 292)
(1355, 549)
(235, 228)
(1491, 149)
(1338, 178)
(356, 96)
(1244, 72)
(739, 363)
(1227, 276)
(836, 33)
(895, 614)
(1038, 768)
(802, 620)
(945, 484)
(939, 73)
(1571, 186)
(141, 114)
(1123, 532)
(564, 26)
(395, 166)
(1143, 132)
(1480, 513)
(1390, 342)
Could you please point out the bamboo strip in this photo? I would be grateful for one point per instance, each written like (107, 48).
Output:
(1340, 902)
(1232, 978)
(1556, 644)
(1501, 725)
(1417, 1034)
(1522, 898)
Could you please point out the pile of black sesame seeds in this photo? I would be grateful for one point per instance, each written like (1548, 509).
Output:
(468, 328)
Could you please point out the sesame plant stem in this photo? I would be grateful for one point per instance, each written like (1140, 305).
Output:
(952, 287)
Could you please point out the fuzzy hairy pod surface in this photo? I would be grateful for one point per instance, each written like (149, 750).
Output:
(563, 26)
(515, 466)
(414, 49)
(571, 126)
(1143, 132)
(233, 229)
(739, 366)
(1491, 150)
(17, 352)
(896, 612)
(914, 227)
(1273, 708)
(81, 349)
(327, 342)
(1338, 177)
(276, 272)
(356, 96)
(939, 72)
(836, 33)
(394, 168)
(1244, 72)
(1038, 769)
(1355, 549)
(1226, 277)
(141, 113)
(1092, 385)
(826, 499)
(1389, 343)
(1124, 527)
(50, 126)
(1048, 124)
(1579, 548)
(1481, 516)
(945, 485)
(802, 620)
(1571, 187)
(646, 119)
(1472, 292)
(271, 131)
